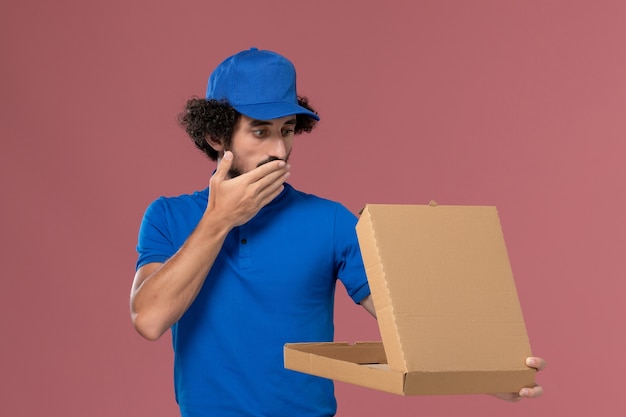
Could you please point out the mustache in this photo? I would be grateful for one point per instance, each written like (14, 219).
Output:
(269, 159)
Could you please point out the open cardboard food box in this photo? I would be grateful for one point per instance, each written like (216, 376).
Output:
(447, 307)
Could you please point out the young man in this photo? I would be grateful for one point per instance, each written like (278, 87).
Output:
(240, 269)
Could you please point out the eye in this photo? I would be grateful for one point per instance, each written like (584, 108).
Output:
(260, 133)
(288, 132)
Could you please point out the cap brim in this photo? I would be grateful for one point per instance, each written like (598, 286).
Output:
(269, 111)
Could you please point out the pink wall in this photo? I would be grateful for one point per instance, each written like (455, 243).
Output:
(518, 104)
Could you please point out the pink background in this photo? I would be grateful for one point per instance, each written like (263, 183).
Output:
(518, 104)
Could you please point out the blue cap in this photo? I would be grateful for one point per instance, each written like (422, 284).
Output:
(258, 84)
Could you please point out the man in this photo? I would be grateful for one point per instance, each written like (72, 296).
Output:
(240, 269)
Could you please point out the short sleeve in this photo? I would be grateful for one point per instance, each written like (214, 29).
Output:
(154, 241)
(350, 269)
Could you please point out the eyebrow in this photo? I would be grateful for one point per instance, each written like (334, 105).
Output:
(256, 123)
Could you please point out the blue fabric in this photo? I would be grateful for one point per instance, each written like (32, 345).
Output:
(272, 283)
(259, 84)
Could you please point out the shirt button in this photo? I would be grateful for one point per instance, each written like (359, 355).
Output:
(244, 241)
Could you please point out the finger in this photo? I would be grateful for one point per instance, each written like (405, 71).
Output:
(224, 166)
(534, 392)
(271, 191)
(269, 196)
(271, 183)
(512, 397)
(535, 362)
(272, 177)
(264, 170)
(266, 184)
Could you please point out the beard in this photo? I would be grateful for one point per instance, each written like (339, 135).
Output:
(236, 171)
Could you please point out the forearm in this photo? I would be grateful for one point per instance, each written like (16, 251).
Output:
(162, 293)
(368, 304)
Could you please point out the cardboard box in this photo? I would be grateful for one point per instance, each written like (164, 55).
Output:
(446, 303)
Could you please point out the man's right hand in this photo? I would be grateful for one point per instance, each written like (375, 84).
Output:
(237, 200)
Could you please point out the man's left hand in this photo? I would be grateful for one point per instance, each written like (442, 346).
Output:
(534, 392)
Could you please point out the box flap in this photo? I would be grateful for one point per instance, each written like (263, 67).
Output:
(361, 363)
(443, 288)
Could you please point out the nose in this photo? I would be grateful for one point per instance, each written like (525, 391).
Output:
(278, 147)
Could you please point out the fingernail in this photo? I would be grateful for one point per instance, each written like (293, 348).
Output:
(530, 362)
(524, 393)
(228, 155)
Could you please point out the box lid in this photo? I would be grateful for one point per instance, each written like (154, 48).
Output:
(443, 288)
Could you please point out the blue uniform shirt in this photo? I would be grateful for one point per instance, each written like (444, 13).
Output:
(272, 283)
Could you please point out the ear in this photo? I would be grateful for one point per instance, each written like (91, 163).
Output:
(215, 143)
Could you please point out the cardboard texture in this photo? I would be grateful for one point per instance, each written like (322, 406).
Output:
(446, 303)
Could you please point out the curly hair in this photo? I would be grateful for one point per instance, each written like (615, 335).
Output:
(203, 118)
